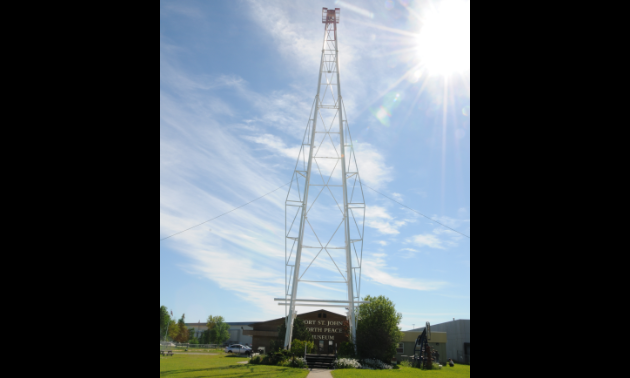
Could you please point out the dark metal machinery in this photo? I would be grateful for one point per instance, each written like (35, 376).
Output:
(421, 350)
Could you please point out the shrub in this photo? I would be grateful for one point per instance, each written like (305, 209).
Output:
(346, 349)
(275, 345)
(297, 347)
(279, 356)
(347, 363)
(256, 359)
(297, 362)
(375, 364)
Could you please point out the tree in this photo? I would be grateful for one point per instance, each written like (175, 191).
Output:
(165, 319)
(173, 330)
(212, 320)
(191, 335)
(182, 336)
(205, 337)
(218, 330)
(297, 347)
(377, 329)
(220, 333)
(299, 333)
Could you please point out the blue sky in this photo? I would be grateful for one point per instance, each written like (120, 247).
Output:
(237, 80)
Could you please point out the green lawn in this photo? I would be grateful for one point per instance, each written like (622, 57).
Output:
(188, 366)
(202, 350)
(457, 371)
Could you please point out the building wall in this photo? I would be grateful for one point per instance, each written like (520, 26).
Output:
(237, 335)
(236, 331)
(458, 333)
(198, 328)
(326, 331)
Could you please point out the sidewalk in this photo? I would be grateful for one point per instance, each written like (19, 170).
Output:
(319, 373)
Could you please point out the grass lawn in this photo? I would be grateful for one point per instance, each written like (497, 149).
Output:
(457, 371)
(201, 350)
(222, 365)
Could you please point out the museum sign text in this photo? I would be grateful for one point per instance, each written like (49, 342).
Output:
(325, 327)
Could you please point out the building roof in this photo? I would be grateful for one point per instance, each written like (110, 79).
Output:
(264, 321)
(298, 315)
(436, 337)
(230, 323)
(422, 328)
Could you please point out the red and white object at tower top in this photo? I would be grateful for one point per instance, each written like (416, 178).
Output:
(330, 16)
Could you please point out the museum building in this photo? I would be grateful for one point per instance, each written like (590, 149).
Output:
(325, 326)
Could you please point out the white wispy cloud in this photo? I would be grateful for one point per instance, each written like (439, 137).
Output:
(375, 268)
(372, 168)
(440, 237)
(378, 218)
(376, 212)
(199, 170)
(410, 253)
(427, 240)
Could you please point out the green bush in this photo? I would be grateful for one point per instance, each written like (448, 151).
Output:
(377, 333)
(297, 347)
(296, 362)
(346, 349)
(275, 345)
(279, 356)
(256, 360)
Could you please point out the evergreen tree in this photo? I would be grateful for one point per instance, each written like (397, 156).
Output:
(182, 336)
(205, 337)
(191, 335)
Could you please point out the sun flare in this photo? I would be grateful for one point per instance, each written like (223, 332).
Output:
(444, 40)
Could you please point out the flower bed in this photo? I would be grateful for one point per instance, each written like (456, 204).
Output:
(375, 364)
(347, 363)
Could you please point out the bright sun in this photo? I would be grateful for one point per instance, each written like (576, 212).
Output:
(444, 41)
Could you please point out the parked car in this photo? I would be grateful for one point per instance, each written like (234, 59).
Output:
(238, 348)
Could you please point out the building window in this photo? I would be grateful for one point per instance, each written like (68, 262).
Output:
(319, 315)
(324, 314)
(401, 348)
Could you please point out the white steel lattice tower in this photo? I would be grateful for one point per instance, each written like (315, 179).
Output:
(325, 206)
